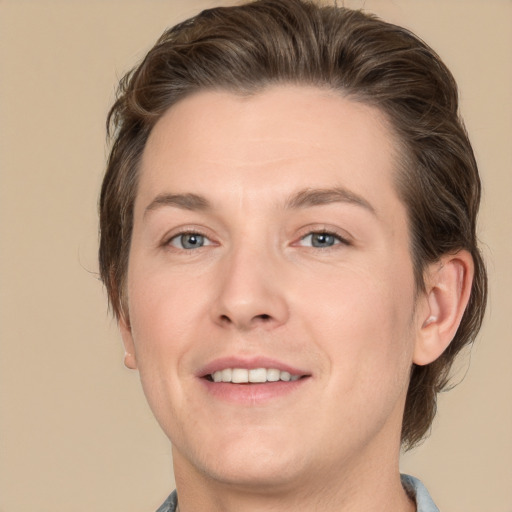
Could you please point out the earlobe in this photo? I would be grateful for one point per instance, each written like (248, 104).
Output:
(130, 360)
(448, 290)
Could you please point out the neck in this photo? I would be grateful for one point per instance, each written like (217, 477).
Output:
(372, 487)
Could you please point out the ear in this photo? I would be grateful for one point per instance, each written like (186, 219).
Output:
(130, 360)
(448, 288)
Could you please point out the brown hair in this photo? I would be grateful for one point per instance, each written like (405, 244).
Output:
(245, 48)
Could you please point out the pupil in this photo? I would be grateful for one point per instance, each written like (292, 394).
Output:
(322, 240)
(191, 241)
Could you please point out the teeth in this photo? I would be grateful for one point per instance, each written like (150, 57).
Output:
(226, 375)
(239, 375)
(285, 376)
(257, 375)
(273, 375)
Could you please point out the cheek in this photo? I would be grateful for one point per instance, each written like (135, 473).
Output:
(365, 322)
(163, 302)
(361, 326)
(163, 309)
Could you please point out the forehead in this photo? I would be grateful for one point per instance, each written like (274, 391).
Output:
(271, 143)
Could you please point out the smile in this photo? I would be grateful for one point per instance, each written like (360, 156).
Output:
(252, 376)
(251, 381)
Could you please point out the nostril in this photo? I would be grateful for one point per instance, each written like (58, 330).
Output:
(263, 319)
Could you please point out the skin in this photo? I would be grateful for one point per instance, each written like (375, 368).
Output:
(345, 314)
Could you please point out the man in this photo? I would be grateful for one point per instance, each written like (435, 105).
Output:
(288, 242)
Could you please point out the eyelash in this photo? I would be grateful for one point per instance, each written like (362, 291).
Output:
(168, 241)
(338, 239)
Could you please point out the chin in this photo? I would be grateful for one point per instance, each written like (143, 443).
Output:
(248, 463)
(256, 474)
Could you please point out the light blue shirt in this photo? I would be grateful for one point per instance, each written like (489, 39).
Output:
(413, 487)
(416, 490)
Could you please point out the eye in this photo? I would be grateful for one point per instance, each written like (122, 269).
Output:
(189, 241)
(321, 240)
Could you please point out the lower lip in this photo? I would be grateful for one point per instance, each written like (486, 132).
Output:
(252, 394)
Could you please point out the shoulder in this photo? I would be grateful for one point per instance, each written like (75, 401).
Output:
(169, 505)
(419, 493)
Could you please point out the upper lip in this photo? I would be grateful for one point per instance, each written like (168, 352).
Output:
(248, 363)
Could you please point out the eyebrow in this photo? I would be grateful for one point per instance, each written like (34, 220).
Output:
(192, 202)
(302, 199)
(324, 196)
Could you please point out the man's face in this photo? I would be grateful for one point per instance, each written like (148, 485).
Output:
(268, 236)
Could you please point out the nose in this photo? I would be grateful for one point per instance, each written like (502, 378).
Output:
(251, 292)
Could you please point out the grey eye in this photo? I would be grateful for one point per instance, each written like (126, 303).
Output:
(189, 241)
(320, 240)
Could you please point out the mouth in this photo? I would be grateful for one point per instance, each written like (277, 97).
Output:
(251, 381)
(252, 376)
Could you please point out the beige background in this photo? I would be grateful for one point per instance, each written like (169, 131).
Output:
(75, 433)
